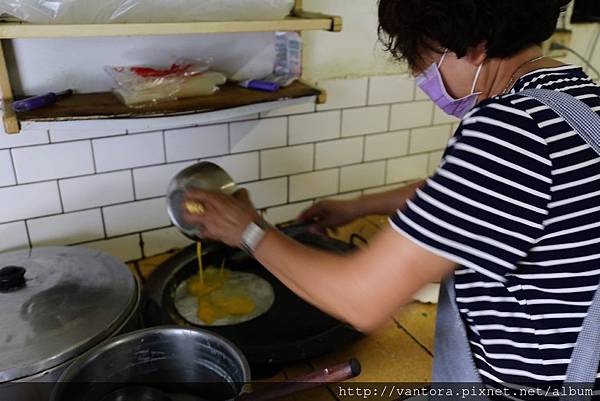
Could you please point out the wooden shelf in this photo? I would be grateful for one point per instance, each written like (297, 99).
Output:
(105, 105)
(232, 101)
(302, 21)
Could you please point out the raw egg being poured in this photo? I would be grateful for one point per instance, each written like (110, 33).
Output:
(221, 296)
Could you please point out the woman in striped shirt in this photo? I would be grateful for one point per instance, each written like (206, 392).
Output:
(512, 213)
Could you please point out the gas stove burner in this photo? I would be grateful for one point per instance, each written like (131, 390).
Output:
(287, 329)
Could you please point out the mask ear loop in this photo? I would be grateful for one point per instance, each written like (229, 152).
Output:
(476, 80)
(443, 58)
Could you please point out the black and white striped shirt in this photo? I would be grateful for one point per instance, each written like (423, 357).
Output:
(516, 204)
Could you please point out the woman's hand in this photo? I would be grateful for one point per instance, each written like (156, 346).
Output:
(330, 214)
(224, 218)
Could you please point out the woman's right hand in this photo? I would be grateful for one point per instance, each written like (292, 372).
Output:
(330, 214)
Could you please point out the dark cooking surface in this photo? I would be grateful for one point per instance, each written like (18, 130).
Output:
(287, 320)
(291, 331)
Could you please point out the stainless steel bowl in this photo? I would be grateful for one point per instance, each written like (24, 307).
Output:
(204, 175)
(171, 359)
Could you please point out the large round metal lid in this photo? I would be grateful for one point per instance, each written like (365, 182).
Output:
(72, 299)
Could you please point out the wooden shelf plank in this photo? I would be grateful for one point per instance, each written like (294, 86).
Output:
(144, 124)
(14, 30)
(105, 105)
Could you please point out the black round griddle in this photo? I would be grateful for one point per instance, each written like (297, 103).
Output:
(291, 331)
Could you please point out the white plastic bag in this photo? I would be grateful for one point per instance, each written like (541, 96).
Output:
(141, 11)
(138, 86)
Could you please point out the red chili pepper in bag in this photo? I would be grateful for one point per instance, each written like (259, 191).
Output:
(147, 72)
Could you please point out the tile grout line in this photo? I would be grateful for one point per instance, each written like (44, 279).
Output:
(385, 171)
(60, 198)
(340, 133)
(228, 138)
(12, 162)
(133, 186)
(164, 143)
(141, 245)
(102, 217)
(93, 158)
(287, 132)
(260, 177)
(364, 150)
(28, 233)
(401, 327)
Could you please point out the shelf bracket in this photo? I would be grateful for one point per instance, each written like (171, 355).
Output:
(337, 23)
(322, 97)
(11, 122)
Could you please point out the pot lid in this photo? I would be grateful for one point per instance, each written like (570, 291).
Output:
(71, 298)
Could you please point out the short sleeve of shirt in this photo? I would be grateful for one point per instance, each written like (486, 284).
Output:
(486, 204)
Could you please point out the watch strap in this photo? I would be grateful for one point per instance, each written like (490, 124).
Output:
(253, 235)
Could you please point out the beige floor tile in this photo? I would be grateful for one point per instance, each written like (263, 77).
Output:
(419, 320)
(379, 221)
(362, 227)
(389, 355)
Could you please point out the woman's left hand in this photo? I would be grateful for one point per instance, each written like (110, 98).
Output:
(224, 217)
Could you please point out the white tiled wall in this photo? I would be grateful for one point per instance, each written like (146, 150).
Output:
(286, 161)
(258, 134)
(314, 185)
(366, 120)
(47, 162)
(109, 188)
(106, 188)
(7, 176)
(314, 127)
(196, 142)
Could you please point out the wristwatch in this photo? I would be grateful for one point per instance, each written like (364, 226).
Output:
(253, 235)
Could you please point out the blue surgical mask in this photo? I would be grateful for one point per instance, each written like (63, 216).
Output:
(431, 82)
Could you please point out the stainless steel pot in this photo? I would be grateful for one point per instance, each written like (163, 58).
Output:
(173, 359)
(177, 364)
(57, 303)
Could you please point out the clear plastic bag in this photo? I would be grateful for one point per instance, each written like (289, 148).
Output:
(141, 11)
(141, 85)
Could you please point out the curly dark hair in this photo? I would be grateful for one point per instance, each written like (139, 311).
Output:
(409, 27)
